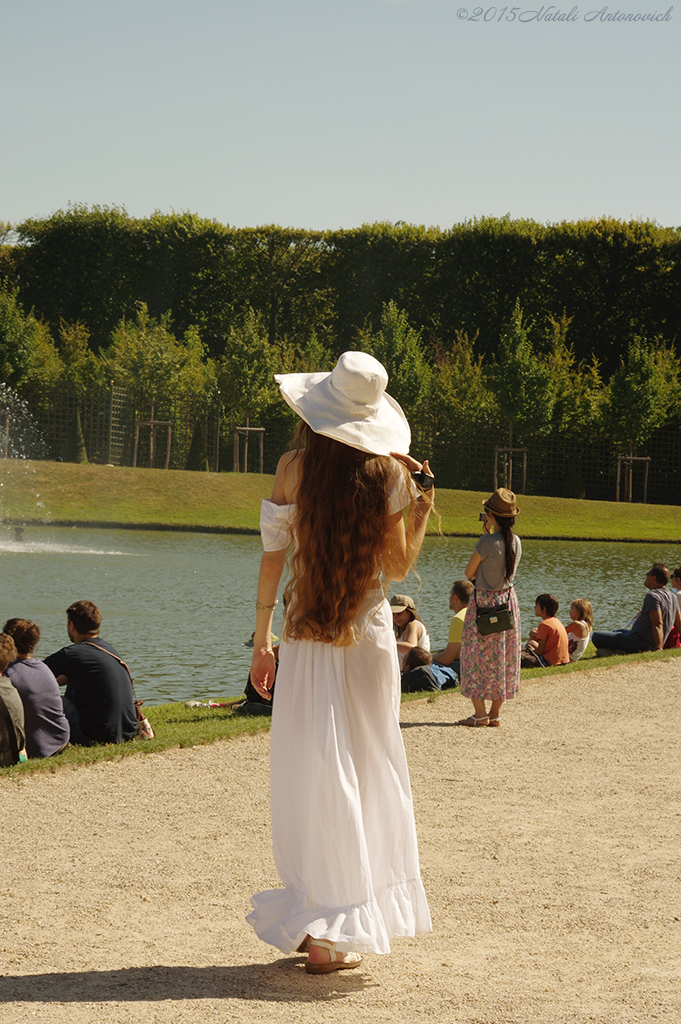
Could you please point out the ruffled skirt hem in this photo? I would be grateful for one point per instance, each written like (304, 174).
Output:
(283, 918)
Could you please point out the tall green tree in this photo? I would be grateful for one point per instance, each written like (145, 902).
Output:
(145, 356)
(27, 352)
(641, 393)
(522, 383)
(246, 370)
(398, 346)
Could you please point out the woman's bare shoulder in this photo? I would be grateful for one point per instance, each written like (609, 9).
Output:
(287, 477)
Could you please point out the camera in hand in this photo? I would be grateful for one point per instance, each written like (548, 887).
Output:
(424, 480)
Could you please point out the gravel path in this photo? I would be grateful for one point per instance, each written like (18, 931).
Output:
(549, 847)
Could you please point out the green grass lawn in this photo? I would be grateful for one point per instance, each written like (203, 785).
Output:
(176, 725)
(53, 492)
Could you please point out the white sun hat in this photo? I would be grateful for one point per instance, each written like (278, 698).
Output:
(350, 404)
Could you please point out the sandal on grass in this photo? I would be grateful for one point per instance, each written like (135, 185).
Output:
(474, 722)
(334, 964)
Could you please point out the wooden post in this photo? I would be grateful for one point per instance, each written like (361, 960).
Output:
(134, 451)
(260, 460)
(235, 466)
(645, 483)
(168, 448)
(217, 437)
(246, 445)
(619, 473)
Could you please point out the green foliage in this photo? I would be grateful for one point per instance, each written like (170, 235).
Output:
(580, 394)
(75, 442)
(80, 364)
(398, 346)
(521, 382)
(642, 391)
(197, 459)
(145, 356)
(246, 370)
(460, 396)
(27, 353)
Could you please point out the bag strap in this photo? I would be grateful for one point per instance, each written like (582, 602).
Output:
(138, 703)
(13, 744)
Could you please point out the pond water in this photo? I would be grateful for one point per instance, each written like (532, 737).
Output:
(179, 606)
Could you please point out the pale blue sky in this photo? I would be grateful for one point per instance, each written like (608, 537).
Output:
(333, 113)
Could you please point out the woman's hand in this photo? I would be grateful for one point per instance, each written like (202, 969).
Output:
(263, 669)
(412, 465)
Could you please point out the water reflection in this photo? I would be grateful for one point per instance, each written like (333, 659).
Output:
(180, 606)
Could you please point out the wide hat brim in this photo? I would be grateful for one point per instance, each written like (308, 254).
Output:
(379, 429)
(506, 509)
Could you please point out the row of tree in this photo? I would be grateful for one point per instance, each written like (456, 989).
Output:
(446, 391)
(613, 281)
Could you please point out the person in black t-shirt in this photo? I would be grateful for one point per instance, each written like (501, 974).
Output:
(98, 701)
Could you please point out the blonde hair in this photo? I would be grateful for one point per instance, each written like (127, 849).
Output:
(585, 611)
(340, 527)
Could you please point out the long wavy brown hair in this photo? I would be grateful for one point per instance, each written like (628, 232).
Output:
(340, 530)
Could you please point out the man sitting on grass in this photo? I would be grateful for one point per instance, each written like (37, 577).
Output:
(652, 625)
(459, 597)
(98, 701)
(548, 643)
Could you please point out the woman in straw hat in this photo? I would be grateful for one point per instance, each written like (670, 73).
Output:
(343, 830)
(490, 665)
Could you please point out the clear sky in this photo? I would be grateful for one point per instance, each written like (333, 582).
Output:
(334, 113)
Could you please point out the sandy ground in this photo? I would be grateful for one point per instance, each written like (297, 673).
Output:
(550, 852)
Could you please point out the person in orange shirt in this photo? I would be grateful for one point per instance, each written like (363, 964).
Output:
(548, 643)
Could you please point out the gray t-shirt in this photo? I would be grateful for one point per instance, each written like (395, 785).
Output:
(661, 600)
(492, 569)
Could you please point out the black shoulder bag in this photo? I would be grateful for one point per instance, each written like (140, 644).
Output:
(493, 620)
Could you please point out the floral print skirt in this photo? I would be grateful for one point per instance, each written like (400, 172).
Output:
(490, 665)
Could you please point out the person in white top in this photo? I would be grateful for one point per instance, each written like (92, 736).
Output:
(579, 627)
(409, 629)
(343, 832)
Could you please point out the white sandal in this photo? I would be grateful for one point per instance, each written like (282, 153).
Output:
(334, 964)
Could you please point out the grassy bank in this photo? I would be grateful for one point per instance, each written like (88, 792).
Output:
(61, 493)
(176, 725)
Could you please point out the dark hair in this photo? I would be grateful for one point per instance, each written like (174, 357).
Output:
(8, 651)
(463, 590)
(85, 616)
(661, 573)
(677, 573)
(416, 656)
(548, 603)
(506, 524)
(24, 633)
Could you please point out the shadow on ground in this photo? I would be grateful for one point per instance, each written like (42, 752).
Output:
(284, 980)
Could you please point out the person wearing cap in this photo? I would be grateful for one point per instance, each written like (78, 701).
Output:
(409, 629)
(343, 832)
(490, 665)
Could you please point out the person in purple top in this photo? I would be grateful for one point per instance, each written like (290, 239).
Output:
(47, 730)
(652, 625)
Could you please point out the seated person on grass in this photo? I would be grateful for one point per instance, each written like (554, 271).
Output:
(12, 730)
(98, 702)
(420, 672)
(653, 624)
(548, 643)
(459, 597)
(47, 730)
(579, 627)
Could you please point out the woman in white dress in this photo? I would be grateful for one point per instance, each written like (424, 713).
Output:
(343, 831)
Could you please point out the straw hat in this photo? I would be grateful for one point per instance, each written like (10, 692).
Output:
(349, 404)
(502, 504)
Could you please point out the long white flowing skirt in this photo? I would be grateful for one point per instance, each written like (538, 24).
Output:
(343, 830)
